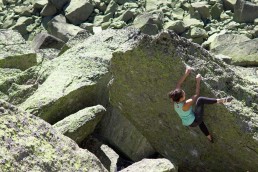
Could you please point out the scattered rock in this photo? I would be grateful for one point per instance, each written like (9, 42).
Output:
(245, 11)
(157, 165)
(177, 26)
(44, 40)
(224, 39)
(108, 157)
(62, 30)
(81, 124)
(48, 10)
(15, 53)
(242, 53)
(78, 11)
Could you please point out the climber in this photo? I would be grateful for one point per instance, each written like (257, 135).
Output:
(184, 108)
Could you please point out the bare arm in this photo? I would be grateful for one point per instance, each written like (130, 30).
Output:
(194, 98)
(182, 79)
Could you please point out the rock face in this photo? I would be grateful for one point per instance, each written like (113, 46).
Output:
(81, 124)
(30, 144)
(15, 52)
(151, 165)
(144, 75)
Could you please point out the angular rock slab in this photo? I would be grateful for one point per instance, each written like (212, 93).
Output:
(245, 12)
(15, 53)
(59, 28)
(151, 165)
(144, 75)
(81, 124)
(45, 40)
(30, 144)
(78, 11)
(242, 54)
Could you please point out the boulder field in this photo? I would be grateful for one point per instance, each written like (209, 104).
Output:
(130, 74)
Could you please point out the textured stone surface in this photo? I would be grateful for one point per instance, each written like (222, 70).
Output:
(15, 52)
(44, 40)
(243, 54)
(151, 165)
(62, 30)
(245, 11)
(81, 124)
(144, 76)
(227, 39)
(78, 11)
(30, 144)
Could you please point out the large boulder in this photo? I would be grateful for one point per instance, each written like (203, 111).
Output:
(142, 78)
(15, 52)
(245, 12)
(151, 165)
(30, 144)
(59, 28)
(78, 11)
(242, 54)
(81, 124)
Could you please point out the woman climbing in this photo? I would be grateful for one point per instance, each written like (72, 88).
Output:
(184, 108)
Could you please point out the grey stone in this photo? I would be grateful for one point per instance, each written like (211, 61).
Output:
(157, 165)
(15, 53)
(149, 23)
(229, 4)
(112, 7)
(224, 39)
(48, 10)
(216, 11)
(245, 11)
(39, 4)
(81, 124)
(59, 4)
(193, 22)
(203, 9)
(108, 157)
(242, 53)
(44, 40)
(197, 32)
(177, 26)
(87, 26)
(78, 11)
(21, 25)
(62, 30)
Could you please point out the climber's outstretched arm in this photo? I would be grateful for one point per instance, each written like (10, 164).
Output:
(182, 79)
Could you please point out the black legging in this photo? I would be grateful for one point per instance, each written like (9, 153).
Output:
(199, 111)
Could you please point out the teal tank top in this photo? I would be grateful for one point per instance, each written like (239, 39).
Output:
(186, 116)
